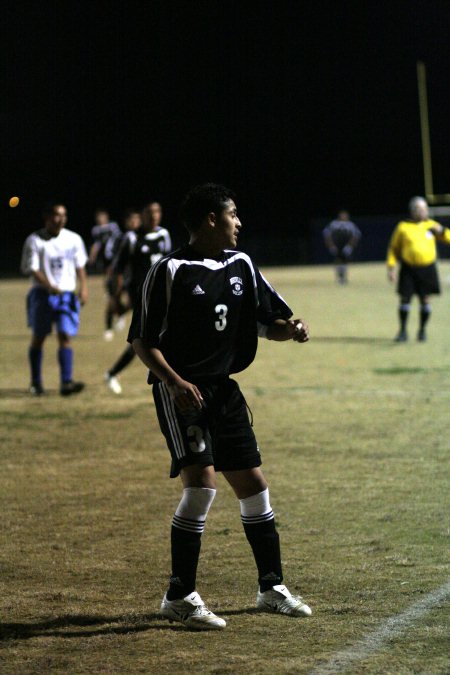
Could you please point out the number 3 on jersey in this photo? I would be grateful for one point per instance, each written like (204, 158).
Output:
(221, 311)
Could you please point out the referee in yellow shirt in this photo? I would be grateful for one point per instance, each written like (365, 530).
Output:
(413, 245)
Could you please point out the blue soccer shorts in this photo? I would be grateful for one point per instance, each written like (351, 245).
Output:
(220, 434)
(44, 310)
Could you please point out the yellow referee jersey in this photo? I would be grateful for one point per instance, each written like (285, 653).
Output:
(414, 243)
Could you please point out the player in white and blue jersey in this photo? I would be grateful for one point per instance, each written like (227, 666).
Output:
(198, 322)
(55, 259)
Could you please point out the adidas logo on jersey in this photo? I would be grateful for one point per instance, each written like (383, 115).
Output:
(198, 290)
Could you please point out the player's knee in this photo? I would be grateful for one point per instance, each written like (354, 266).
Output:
(195, 503)
(247, 483)
(198, 476)
(63, 339)
(37, 341)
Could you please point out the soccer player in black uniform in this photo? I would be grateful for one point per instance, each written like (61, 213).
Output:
(198, 322)
(106, 235)
(341, 236)
(139, 249)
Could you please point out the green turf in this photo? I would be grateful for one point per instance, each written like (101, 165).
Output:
(354, 432)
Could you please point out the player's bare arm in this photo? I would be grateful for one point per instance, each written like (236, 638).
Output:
(42, 279)
(93, 253)
(82, 281)
(293, 329)
(185, 395)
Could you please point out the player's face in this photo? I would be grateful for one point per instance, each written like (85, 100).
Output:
(228, 226)
(152, 214)
(57, 220)
(102, 218)
(133, 221)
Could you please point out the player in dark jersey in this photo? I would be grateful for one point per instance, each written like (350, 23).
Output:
(106, 236)
(341, 236)
(198, 322)
(140, 248)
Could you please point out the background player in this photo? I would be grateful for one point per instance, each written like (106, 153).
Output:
(55, 258)
(413, 244)
(202, 308)
(341, 236)
(140, 248)
(106, 235)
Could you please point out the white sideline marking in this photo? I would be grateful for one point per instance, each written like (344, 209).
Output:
(392, 627)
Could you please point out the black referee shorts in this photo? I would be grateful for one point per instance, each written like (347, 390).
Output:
(418, 280)
(219, 434)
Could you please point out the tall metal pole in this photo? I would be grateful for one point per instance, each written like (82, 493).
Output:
(425, 130)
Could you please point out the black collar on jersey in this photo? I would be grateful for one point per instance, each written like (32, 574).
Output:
(190, 253)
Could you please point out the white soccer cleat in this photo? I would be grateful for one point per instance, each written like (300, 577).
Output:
(108, 335)
(113, 384)
(278, 599)
(191, 612)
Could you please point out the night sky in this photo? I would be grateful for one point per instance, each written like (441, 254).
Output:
(301, 107)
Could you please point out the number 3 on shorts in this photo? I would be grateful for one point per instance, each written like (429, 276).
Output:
(195, 437)
(221, 311)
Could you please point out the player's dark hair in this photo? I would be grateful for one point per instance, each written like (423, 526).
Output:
(201, 200)
(130, 212)
(48, 208)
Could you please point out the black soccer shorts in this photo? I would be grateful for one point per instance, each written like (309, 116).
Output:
(220, 434)
(418, 280)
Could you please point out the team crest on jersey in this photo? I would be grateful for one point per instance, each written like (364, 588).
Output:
(236, 282)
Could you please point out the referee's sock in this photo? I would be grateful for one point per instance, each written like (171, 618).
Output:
(187, 529)
(259, 526)
(403, 314)
(425, 312)
(65, 360)
(35, 359)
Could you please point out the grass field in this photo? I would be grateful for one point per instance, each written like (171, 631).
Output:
(354, 435)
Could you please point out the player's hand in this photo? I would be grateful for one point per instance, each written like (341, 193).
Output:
(299, 329)
(53, 290)
(391, 274)
(185, 395)
(83, 296)
(293, 329)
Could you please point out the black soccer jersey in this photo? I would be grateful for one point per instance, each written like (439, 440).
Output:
(205, 314)
(106, 237)
(138, 251)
